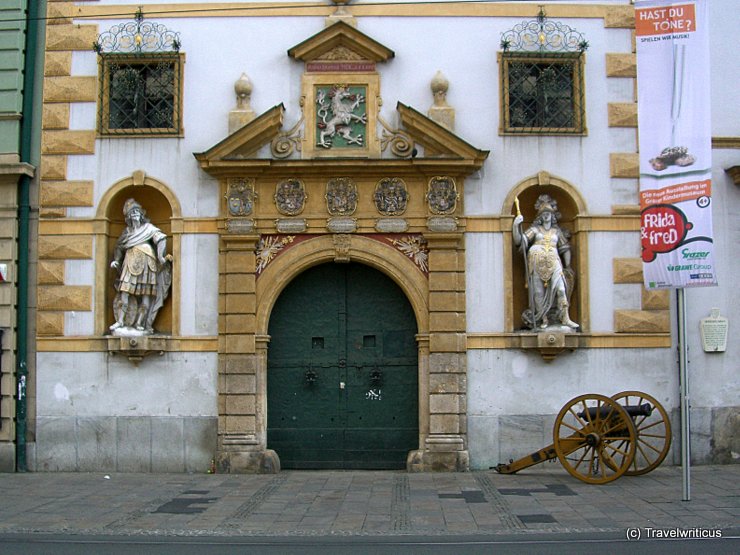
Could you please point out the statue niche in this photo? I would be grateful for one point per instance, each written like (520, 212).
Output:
(143, 273)
(550, 280)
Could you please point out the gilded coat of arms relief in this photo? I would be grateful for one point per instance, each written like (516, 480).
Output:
(391, 196)
(240, 196)
(341, 196)
(290, 196)
(442, 195)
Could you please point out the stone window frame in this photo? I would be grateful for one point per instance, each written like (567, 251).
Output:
(574, 59)
(106, 60)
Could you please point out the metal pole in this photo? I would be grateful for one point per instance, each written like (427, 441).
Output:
(683, 379)
(24, 209)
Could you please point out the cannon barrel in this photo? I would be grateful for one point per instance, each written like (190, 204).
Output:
(646, 409)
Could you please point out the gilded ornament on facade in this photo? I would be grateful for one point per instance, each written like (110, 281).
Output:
(290, 196)
(268, 247)
(391, 196)
(240, 196)
(415, 247)
(341, 196)
(341, 116)
(442, 195)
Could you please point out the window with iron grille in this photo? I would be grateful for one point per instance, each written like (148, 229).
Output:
(542, 93)
(140, 94)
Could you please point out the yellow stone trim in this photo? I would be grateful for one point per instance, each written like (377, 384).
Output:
(182, 344)
(70, 89)
(49, 323)
(343, 36)
(58, 64)
(66, 246)
(624, 164)
(53, 167)
(642, 321)
(626, 210)
(55, 116)
(205, 226)
(622, 114)
(273, 9)
(585, 340)
(66, 193)
(628, 222)
(627, 270)
(68, 142)
(619, 17)
(51, 272)
(656, 299)
(621, 65)
(52, 212)
(64, 297)
(725, 142)
(246, 140)
(71, 37)
(60, 12)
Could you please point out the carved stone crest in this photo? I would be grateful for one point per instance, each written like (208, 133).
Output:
(341, 116)
(240, 196)
(391, 196)
(342, 244)
(290, 197)
(442, 195)
(341, 196)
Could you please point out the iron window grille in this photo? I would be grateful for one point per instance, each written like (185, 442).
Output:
(140, 80)
(541, 76)
(140, 95)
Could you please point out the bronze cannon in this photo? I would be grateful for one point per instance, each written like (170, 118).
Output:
(597, 438)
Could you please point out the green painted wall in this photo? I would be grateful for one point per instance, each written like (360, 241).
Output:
(12, 38)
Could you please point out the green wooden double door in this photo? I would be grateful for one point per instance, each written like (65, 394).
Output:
(342, 376)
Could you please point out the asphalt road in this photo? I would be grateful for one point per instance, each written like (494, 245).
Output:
(550, 544)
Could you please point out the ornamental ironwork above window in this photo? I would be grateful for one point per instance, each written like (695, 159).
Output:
(140, 70)
(542, 79)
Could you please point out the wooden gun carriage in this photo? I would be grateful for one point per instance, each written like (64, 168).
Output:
(598, 439)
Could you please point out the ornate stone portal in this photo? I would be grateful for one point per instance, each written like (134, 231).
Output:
(350, 198)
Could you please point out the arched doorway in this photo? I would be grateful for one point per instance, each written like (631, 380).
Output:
(342, 371)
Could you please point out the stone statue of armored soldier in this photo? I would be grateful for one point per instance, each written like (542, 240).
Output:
(144, 273)
(547, 259)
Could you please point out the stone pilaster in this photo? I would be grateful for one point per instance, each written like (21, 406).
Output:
(241, 437)
(445, 444)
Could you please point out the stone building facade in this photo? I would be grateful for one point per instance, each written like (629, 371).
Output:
(338, 187)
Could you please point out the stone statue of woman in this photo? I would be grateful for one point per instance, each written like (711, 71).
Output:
(144, 273)
(547, 263)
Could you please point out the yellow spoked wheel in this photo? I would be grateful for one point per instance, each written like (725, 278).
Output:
(594, 438)
(653, 430)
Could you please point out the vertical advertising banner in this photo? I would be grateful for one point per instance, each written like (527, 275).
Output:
(675, 143)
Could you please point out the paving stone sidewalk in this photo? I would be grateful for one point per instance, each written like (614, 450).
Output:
(546, 499)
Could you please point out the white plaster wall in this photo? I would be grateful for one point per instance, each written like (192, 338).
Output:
(98, 384)
(514, 397)
(199, 294)
(485, 282)
(79, 272)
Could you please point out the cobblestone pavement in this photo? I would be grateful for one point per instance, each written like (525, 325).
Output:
(546, 499)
